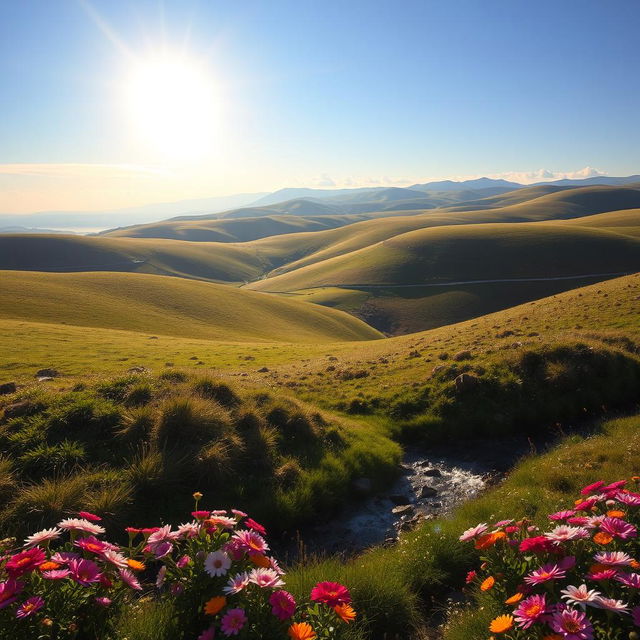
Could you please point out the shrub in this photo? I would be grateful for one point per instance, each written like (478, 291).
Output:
(216, 390)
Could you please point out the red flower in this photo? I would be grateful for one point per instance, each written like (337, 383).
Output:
(25, 561)
(252, 524)
(92, 517)
(471, 576)
(537, 544)
(330, 593)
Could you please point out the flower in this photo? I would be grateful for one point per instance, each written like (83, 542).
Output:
(537, 544)
(236, 583)
(610, 604)
(9, 592)
(160, 541)
(162, 572)
(232, 622)
(188, 530)
(129, 579)
(564, 533)
(91, 544)
(224, 522)
(254, 526)
(603, 538)
(81, 524)
(613, 558)
(618, 528)
(217, 563)
(474, 532)
(250, 542)
(103, 601)
(260, 561)
(531, 609)
(115, 558)
(579, 595)
(49, 565)
(515, 598)
(201, 515)
(238, 513)
(41, 537)
(590, 488)
(489, 539)
(487, 583)
(471, 576)
(345, 612)
(572, 624)
(562, 515)
(183, 562)
(136, 565)
(603, 574)
(501, 624)
(84, 572)
(545, 573)
(92, 517)
(30, 606)
(266, 578)
(56, 574)
(208, 634)
(215, 605)
(629, 580)
(330, 593)
(283, 604)
(25, 562)
(301, 631)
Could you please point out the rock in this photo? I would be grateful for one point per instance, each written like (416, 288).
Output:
(362, 486)
(504, 334)
(432, 473)
(194, 358)
(17, 409)
(49, 373)
(407, 469)
(136, 370)
(45, 378)
(399, 498)
(403, 510)
(414, 354)
(168, 364)
(462, 355)
(7, 387)
(263, 370)
(466, 381)
(437, 368)
(427, 492)
(153, 337)
(332, 358)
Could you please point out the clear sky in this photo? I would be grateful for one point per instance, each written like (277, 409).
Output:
(110, 103)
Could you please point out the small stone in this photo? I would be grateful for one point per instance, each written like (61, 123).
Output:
(17, 409)
(263, 370)
(432, 473)
(136, 370)
(403, 510)
(466, 381)
(427, 492)
(44, 378)
(462, 355)
(7, 387)
(48, 373)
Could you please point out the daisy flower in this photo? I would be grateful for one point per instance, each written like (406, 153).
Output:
(579, 595)
(618, 528)
(129, 579)
(610, 604)
(283, 604)
(530, 610)
(562, 515)
(81, 524)
(544, 574)
(30, 606)
(42, 537)
(233, 621)
(572, 625)
(330, 593)
(613, 558)
(115, 558)
(629, 580)
(236, 583)
(250, 542)
(564, 533)
(266, 578)
(474, 532)
(84, 572)
(217, 563)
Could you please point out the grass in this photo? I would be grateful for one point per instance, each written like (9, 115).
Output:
(170, 306)
(135, 448)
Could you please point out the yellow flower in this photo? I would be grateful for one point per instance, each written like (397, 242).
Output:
(197, 495)
(215, 605)
(501, 624)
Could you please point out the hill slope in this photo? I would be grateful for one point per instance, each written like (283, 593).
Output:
(170, 306)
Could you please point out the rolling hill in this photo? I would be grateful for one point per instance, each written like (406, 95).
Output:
(172, 307)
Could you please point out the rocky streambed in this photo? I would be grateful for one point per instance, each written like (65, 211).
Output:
(428, 486)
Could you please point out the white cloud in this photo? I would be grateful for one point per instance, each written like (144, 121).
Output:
(543, 175)
(75, 170)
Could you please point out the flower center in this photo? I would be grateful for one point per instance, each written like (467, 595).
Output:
(571, 625)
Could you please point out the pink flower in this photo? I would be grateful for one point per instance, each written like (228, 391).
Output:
(579, 595)
(236, 583)
(92, 517)
(160, 541)
(530, 610)
(618, 528)
(103, 601)
(474, 532)
(223, 522)
(129, 579)
(266, 578)
(572, 625)
(586, 505)
(330, 593)
(562, 515)
(219, 512)
(250, 542)
(32, 605)
(208, 634)
(565, 533)
(614, 486)
(580, 521)
(92, 544)
(613, 558)
(63, 557)
(25, 562)
(283, 604)
(629, 580)
(160, 549)
(273, 563)
(80, 524)
(471, 576)
(56, 574)
(84, 572)
(590, 488)
(610, 604)
(9, 592)
(42, 537)
(544, 574)
(232, 622)
(240, 514)
(607, 574)
(183, 562)
(115, 558)
(188, 530)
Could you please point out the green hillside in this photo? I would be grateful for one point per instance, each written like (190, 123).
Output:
(170, 306)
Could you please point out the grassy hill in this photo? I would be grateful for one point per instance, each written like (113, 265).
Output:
(171, 307)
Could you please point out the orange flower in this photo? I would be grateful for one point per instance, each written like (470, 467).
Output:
(135, 564)
(301, 631)
(501, 624)
(215, 605)
(489, 539)
(516, 597)
(552, 636)
(597, 567)
(616, 514)
(49, 566)
(260, 561)
(602, 538)
(346, 612)
(634, 564)
(487, 584)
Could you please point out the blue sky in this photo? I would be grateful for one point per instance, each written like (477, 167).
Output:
(315, 93)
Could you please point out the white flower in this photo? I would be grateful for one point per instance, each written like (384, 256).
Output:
(42, 536)
(80, 524)
(579, 595)
(613, 558)
(115, 558)
(564, 533)
(217, 563)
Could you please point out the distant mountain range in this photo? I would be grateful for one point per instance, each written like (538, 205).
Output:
(290, 201)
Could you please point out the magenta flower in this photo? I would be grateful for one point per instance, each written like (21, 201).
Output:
(201, 515)
(183, 562)
(590, 488)
(562, 515)
(9, 592)
(614, 486)
(572, 625)
(103, 601)
(618, 528)
(32, 605)
(208, 634)
(92, 517)
(283, 605)
(233, 621)
(629, 580)
(84, 572)
(544, 574)
(330, 593)
(606, 574)
(56, 574)
(25, 562)
(129, 579)
(236, 583)
(537, 544)
(530, 610)
(251, 542)
(91, 544)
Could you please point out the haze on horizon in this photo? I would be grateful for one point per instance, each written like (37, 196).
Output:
(115, 104)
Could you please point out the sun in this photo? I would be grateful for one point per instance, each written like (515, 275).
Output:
(172, 105)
